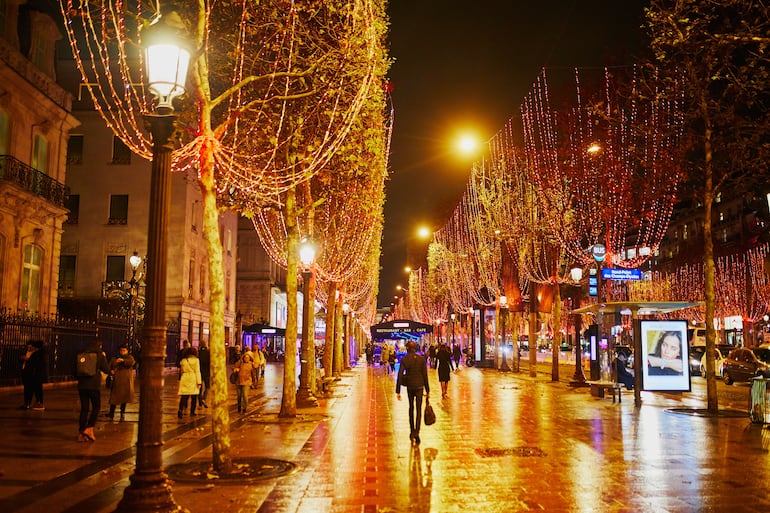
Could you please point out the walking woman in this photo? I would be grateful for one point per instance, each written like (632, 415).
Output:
(444, 359)
(190, 381)
(89, 390)
(245, 368)
(122, 372)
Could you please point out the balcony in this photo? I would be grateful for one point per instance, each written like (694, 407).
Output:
(33, 181)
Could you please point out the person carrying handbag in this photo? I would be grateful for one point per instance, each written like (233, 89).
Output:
(413, 374)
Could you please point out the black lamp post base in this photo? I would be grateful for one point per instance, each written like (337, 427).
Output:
(305, 399)
(504, 366)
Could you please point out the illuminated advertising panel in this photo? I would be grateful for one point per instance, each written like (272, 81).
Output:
(664, 347)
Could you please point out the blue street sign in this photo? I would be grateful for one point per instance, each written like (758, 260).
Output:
(621, 274)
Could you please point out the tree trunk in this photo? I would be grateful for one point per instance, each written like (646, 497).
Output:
(556, 323)
(328, 357)
(338, 338)
(289, 397)
(220, 414)
(708, 269)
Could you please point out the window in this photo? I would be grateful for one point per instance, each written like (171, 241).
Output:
(190, 279)
(203, 282)
(75, 150)
(118, 209)
(30, 279)
(120, 152)
(5, 132)
(229, 241)
(116, 268)
(73, 205)
(67, 275)
(194, 217)
(39, 51)
(40, 153)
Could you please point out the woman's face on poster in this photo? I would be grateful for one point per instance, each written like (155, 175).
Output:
(670, 347)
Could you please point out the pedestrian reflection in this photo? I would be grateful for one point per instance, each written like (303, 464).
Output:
(420, 484)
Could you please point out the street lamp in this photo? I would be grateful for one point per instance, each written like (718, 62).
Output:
(133, 291)
(167, 59)
(503, 314)
(305, 397)
(452, 318)
(346, 335)
(579, 378)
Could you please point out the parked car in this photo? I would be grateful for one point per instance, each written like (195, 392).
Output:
(742, 365)
(697, 360)
(720, 353)
(762, 352)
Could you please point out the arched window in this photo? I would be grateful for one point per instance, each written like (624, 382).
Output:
(30, 278)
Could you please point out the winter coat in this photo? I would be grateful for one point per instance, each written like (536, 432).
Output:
(413, 373)
(122, 390)
(190, 379)
(245, 371)
(95, 382)
(35, 368)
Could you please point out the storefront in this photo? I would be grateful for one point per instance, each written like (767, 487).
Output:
(271, 339)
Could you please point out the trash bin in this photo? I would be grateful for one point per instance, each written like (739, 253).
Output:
(759, 401)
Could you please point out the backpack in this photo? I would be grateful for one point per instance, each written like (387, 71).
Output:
(86, 364)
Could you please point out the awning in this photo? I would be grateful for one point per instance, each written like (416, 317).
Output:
(400, 329)
(641, 307)
(264, 329)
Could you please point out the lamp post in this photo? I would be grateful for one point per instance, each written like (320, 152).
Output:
(167, 59)
(503, 314)
(579, 378)
(305, 397)
(133, 291)
(345, 336)
(452, 318)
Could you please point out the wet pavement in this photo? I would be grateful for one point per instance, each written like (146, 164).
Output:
(501, 443)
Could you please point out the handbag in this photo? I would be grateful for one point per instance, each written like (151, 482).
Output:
(430, 415)
(234, 377)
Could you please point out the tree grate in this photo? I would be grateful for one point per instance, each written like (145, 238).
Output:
(523, 452)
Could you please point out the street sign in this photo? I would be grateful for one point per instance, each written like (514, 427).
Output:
(609, 273)
(599, 252)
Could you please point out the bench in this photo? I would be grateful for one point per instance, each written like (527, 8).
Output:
(598, 388)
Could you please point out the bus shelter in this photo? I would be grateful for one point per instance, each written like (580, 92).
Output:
(643, 334)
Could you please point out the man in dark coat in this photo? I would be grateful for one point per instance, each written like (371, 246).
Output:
(204, 357)
(413, 374)
(89, 390)
(34, 372)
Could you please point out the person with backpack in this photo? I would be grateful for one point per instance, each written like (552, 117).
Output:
(90, 365)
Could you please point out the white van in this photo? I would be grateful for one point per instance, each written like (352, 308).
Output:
(698, 337)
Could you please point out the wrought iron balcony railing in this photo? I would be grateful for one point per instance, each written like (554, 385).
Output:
(31, 180)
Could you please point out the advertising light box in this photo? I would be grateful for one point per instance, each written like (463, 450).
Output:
(665, 365)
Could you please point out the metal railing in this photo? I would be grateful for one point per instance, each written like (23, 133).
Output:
(30, 179)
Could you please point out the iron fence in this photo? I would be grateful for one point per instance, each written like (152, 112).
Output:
(63, 339)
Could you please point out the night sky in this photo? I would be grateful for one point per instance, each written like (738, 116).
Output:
(468, 65)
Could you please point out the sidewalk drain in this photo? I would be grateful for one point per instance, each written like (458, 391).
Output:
(244, 470)
(523, 452)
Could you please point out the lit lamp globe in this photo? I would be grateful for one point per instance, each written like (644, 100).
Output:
(135, 261)
(576, 273)
(167, 59)
(307, 254)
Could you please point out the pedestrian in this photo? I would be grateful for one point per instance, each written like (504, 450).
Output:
(34, 372)
(392, 360)
(204, 356)
(457, 354)
(384, 356)
(189, 382)
(413, 374)
(180, 354)
(89, 390)
(259, 363)
(122, 372)
(444, 359)
(432, 355)
(245, 368)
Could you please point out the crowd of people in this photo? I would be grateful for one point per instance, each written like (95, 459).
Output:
(94, 370)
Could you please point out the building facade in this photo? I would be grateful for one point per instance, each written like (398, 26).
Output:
(35, 119)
